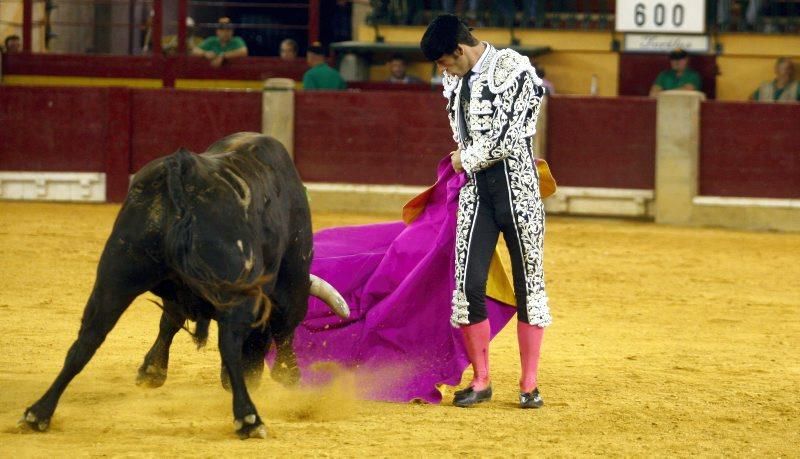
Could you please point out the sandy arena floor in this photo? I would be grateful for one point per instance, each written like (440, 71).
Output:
(666, 341)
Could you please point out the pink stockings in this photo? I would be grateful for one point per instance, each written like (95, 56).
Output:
(530, 344)
(476, 342)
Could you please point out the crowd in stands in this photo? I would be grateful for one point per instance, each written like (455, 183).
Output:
(225, 45)
(761, 15)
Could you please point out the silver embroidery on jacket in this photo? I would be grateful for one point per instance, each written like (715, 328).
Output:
(503, 108)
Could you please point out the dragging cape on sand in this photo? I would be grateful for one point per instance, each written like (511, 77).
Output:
(398, 279)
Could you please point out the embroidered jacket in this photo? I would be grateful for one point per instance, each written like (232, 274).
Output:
(499, 115)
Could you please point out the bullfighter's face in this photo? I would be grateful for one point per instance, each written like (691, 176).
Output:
(456, 63)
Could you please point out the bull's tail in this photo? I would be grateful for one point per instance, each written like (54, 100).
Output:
(181, 256)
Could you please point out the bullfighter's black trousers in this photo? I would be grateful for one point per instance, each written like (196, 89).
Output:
(503, 198)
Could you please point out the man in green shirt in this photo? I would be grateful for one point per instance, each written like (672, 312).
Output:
(679, 76)
(221, 46)
(320, 75)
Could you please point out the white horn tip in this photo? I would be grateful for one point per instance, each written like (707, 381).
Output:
(327, 293)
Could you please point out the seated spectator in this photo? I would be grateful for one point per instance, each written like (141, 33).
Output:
(320, 75)
(169, 44)
(12, 44)
(288, 49)
(397, 70)
(784, 88)
(223, 45)
(679, 76)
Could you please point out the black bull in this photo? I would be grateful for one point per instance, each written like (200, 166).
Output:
(225, 235)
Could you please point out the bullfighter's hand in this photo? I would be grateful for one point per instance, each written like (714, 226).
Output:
(455, 159)
(217, 61)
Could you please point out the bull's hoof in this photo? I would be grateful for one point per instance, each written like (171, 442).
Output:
(151, 376)
(250, 427)
(287, 375)
(33, 422)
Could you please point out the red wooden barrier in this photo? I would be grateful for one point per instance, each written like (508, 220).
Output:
(377, 137)
(167, 119)
(602, 142)
(750, 150)
(114, 130)
(385, 137)
(54, 129)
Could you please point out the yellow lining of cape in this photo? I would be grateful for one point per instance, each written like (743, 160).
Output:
(498, 285)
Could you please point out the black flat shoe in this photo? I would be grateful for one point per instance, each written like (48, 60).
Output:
(473, 397)
(462, 393)
(530, 399)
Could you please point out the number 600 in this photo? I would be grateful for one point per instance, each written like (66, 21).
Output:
(659, 14)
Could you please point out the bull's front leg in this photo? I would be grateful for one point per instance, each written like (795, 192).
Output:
(153, 371)
(253, 352)
(285, 370)
(233, 329)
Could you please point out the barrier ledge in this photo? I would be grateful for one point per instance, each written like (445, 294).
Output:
(345, 197)
(53, 186)
(606, 202)
(759, 214)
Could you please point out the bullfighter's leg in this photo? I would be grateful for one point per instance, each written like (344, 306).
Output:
(120, 278)
(234, 327)
(153, 371)
(291, 303)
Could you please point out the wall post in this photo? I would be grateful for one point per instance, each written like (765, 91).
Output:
(677, 153)
(277, 111)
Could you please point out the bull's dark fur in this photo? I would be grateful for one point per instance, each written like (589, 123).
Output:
(225, 235)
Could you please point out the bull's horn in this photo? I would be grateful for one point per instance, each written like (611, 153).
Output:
(325, 292)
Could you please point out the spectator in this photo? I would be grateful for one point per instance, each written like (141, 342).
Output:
(320, 75)
(288, 49)
(784, 88)
(169, 44)
(224, 45)
(679, 76)
(12, 44)
(397, 71)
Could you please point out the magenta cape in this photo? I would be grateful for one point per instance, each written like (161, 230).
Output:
(398, 280)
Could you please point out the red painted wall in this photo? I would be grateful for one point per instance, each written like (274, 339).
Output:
(164, 120)
(385, 137)
(54, 129)
(378, 137)
(750, 150)
(114, 130)
(602, 142)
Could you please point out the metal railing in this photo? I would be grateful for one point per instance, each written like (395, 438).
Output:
(131, 27)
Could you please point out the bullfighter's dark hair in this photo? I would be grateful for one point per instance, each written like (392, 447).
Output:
(443, 36)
